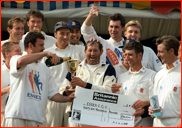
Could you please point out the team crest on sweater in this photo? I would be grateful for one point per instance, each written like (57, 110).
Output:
(141, 90)
(175, 89)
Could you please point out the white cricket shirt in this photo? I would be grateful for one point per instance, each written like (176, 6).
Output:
(31, 86)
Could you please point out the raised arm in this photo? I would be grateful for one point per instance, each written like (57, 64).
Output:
(87, 30)
(93, 12)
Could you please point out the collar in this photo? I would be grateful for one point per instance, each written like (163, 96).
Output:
(83, 63)
(56, 48)
(120, 43)
(4, 68)
(24, 53)
(141, 70)
(175, 64)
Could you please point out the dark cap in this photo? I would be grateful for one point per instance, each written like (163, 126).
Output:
(127, 41)
(74, 23)
(62, 24)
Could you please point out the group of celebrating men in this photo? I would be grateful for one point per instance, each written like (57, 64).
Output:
(33, 95)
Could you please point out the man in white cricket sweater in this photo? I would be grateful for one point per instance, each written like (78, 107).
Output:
(167, 83)
(91, 74)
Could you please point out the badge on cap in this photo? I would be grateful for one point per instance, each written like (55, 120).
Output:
(127, 41)
(141, 90)
(64, 24)
(73, 23)
(175, 89)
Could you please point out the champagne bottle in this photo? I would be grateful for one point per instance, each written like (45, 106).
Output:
(49, 61)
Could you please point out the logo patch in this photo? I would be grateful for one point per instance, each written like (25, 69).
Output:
(73, 23)
(125, 88)
(127, 41)
(141, 90)
(175, 89)
(3, 60)
(98, 73)
(157, 60)
(161, 87)
(35, 83)
(64, 24)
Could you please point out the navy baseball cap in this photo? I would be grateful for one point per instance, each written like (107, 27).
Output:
(74, 23)
(62, 24)
(127, 41)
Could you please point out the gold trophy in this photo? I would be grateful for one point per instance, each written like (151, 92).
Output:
(72, 66)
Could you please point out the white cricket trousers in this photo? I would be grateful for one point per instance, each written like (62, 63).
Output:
(15, 122)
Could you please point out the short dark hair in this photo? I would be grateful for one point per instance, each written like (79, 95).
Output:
(117, 16)
(6, 47)
(31, 37)
(94, 42)
(137, 46)
(169, 42)
(35, 13)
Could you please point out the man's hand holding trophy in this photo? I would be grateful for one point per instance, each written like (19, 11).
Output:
(72, 66)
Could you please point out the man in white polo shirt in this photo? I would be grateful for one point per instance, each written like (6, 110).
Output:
(137, 81)
(31, 85)
(150, 60)
(167, 83)
(55, 112)
(15, 28)
(8, 49)
(35, 20)
(111, 53)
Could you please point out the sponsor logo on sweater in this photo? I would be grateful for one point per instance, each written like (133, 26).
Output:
(113, 57)
(36, 85)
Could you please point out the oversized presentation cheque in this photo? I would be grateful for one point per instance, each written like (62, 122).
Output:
(102, 109)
